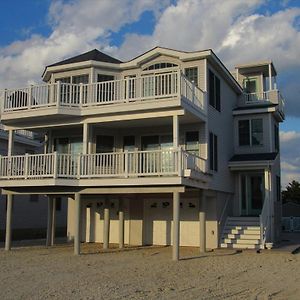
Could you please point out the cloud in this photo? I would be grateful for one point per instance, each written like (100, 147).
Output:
(77, 26)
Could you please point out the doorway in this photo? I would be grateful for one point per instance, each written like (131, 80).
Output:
(252, 194)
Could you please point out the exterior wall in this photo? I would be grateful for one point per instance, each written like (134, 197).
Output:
(268, 139)
(148, 220)
(221, 124)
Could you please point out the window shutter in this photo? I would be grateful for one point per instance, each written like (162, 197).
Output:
(211, 151)
(215, 153)
(211, 88)
(218, 94)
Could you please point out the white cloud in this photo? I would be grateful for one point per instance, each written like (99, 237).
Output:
(77, 26)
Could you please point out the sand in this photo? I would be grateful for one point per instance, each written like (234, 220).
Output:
(55, 273)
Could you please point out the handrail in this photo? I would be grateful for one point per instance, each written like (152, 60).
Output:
(114, 164)
(264, 222)
(162, 85)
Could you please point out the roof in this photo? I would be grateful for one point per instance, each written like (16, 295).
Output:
(256, 106)
(262, 65)
(254, 157)
(95, 55)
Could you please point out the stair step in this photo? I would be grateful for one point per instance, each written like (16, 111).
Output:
(241, 236)
(240, 231)
(239, 246)
(242, 223)
(239, 227)
(241, 241)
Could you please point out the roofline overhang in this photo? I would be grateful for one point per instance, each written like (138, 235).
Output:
(264, 63)
(242, 165)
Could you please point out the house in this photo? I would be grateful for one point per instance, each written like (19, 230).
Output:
(169, 148)
(30, 211)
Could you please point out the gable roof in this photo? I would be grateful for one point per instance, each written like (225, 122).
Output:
(90, 55)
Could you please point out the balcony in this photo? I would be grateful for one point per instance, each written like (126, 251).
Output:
(116, 168)
(264, 98)
(137, 93)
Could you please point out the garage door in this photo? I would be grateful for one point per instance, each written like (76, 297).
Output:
(158, 222)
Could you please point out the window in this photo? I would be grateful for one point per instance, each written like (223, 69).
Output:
(278, 188)
(34, 198)
(80, 79)
(192, 142)
(105, 91)
(250, 85)
(192, 74)
(129, 142)
(214, 91)
(251, 132)
(58, 204)
(244, 129)
(160, 66)
(276, 136)
(257, 132)
(213, 152)
(104, 144)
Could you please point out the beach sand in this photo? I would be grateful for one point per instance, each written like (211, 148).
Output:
(149, 273)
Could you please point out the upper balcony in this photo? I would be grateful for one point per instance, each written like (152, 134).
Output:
(260, 99)
(147, 92)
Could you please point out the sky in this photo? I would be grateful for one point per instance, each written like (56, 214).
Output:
(36, 33)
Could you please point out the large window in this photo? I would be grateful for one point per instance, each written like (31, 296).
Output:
(214, 91)
(213, 152)
(250, 85)
(251, 132)
(192, 74)
(278, 188)
(104, 144)
(192, 142)
(160, 66)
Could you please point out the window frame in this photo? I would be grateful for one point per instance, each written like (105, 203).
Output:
(195, 81)
(214, 88)
(250, 132)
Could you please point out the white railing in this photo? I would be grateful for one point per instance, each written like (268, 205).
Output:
(100, 165)
(265, 222)
(145, 87)
(251, 98)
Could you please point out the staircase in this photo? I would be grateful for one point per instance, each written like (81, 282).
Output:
(241, 233)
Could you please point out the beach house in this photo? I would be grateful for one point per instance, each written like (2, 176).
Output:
(168, 148)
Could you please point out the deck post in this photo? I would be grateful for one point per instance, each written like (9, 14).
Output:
(270, 77)
(121, 223)
(49, 221)
(175, 131)
(176, 226)
(53, 223)
(106, 225)
(8, 232)
(77, 224)
(202, 222)
(11, 137)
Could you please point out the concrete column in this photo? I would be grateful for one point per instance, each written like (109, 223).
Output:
(49, 221)
(121, 223)
(175, 131)
(8, 232)
(86, 138)
(11, 138)
(176, 226)
(77, 223)
(202, 222)
(106, 225)
(53, 223)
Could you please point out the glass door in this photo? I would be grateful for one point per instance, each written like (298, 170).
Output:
(252, 194)
(167, 156)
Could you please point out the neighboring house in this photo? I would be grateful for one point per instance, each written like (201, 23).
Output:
(167, 148)
(291, 216)
(30, 211)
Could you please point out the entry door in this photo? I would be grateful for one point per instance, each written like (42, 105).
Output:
(252, 194)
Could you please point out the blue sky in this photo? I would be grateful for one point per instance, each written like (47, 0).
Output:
(34, 33)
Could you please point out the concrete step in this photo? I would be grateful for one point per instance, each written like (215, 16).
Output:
(243, 219)
(242, 223)
(241, 241)
(239, 246)
(240, 227)
(241, 236)
(240, 231)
